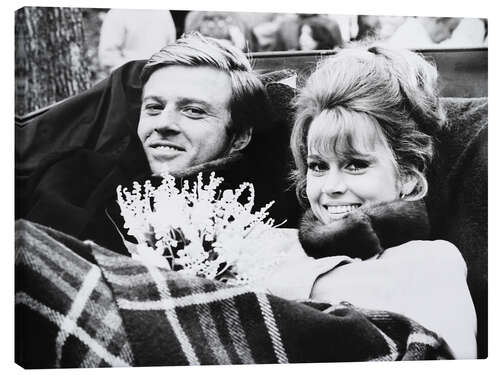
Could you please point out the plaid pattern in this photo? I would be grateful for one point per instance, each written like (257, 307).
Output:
(79, 305)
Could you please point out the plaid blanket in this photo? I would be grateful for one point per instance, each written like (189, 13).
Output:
(80, 305)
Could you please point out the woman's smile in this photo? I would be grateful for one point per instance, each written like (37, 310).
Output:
(341, 209)
(337, 211)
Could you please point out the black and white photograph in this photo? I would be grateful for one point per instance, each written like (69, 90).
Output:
(205, 186)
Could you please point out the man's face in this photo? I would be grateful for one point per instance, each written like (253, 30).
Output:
(184, 117)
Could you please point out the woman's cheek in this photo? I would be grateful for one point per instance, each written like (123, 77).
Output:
(314, 196)
(313, 189)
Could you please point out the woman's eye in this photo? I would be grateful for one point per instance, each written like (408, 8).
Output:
(316, 167)
(357, 165)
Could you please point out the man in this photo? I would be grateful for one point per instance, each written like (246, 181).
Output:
(190, 120)
(203, 109)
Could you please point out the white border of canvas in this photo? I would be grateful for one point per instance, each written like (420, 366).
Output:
(475, 8)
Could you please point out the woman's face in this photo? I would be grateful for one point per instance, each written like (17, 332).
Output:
(340, 183)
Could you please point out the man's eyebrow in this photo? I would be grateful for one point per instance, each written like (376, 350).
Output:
(153, 97)
(184, 101)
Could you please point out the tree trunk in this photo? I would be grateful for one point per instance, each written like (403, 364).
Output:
(51, 62)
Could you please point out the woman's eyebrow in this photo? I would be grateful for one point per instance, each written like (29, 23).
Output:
(357, 156)
(361, 155)
(314, 157)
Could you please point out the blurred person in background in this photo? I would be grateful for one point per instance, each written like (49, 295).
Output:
(266, 32)
(307, 32)
(263, 27)
(266, 29)
(378, 27)
(319, 33)
(423, 32)
(221, 25)
(470, 32)
(253, 19)
(133, 34)
(348, 25)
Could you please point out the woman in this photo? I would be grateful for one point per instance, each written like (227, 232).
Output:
(362, 142)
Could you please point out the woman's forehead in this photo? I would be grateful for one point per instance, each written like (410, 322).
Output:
(343, 133)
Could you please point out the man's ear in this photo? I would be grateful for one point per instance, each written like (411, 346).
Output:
(241, 140)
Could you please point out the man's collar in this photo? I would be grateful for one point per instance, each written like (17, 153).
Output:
(220, 164)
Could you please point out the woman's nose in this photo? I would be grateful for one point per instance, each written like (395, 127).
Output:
(334, 183)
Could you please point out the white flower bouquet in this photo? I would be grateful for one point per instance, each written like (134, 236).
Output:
(197, 230)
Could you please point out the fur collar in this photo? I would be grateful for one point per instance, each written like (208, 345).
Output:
(366, 231)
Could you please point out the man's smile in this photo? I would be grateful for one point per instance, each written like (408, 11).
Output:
(165, 145)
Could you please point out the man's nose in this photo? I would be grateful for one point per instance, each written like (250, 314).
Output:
(168, 120)
(334, 183)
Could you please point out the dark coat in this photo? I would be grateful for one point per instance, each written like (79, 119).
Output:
(75, 192)
(457, 201)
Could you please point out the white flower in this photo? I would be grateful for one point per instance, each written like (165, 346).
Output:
(150, 256)
(196, 230)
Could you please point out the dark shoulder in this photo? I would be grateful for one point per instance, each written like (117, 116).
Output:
(80, 161)
(63, 173)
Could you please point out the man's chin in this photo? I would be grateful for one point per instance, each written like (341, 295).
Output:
(170, 167)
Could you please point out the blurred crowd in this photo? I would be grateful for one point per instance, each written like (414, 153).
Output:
(128, 34)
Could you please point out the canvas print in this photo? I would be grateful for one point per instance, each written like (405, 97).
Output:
(218, 188)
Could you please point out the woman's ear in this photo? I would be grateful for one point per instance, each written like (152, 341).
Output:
(241, 140)
(408, 184)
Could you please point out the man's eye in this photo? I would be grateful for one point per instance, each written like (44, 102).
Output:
(153, 108)
(194, 112)
(357, 165)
